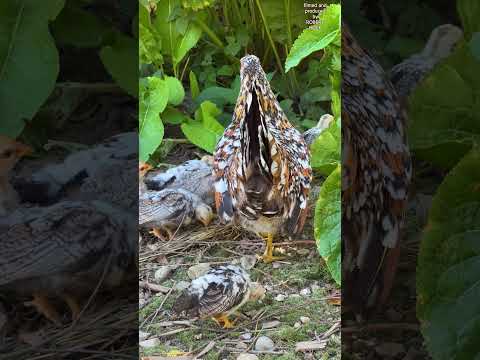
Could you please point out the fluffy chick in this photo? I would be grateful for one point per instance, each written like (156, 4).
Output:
(166, 210)
(219, 293)
(10, 152)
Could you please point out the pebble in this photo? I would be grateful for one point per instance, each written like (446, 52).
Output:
(264, 343)
(246, 356)
(150, 343)
(389, 349)
(270, 324)
(241, 345)
(198, 270)
(181, 285)
(246, 336)
(305, 292)
(162, 273)
(304, 319)
(297, 325)
(294, 296)
(280, 297)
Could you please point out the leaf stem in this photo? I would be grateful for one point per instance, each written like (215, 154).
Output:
(209, 32)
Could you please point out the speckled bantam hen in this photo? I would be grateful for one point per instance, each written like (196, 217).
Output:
(261, 168)
(376, 172)
(10, 152)
(218, 293)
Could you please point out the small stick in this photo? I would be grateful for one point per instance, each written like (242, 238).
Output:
(153, 287)
(207, 348)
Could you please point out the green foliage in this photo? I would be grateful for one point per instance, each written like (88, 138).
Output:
(448, 285)
(120, 58)
(205, 130)
(469, 11)
(325, 151)
(312, 40)
(23, 23)
(450, 95)
(327, 223)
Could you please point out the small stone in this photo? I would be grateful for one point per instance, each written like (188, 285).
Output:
(246, 356)
(181, 285)
(246, 336)
(280, 297)
(150, 343)
(248, 261)
(304, 319)
(163, 273)
(143, 335)
(314, 288)
(389, 349)
(294, 296)
(305, 292)
(198, 270)
(198, 337)
(297, 325)
(276, 265)
(264, 343)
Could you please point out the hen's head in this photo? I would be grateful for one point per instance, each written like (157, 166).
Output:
(10, 152)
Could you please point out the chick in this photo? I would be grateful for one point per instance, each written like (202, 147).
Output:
(10, 152)
(166, 210)
(219, 293)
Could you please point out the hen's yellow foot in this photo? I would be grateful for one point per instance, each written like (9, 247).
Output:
(268, 257)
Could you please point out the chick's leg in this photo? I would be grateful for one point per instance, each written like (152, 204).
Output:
(73, 306)
(45, 307)
(268, 255)
(224, 321)
(160, 233)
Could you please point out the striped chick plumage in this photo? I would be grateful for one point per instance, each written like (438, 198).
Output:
(218, 293)
(261, 165)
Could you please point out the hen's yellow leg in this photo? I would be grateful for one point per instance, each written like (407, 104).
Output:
(268, 255)
(45, 307)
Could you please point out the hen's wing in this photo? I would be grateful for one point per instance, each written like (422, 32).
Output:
(376, 173)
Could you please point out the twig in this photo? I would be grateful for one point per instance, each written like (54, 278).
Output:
(334, 328)
(207, 348)
(154, 287)
(172, 332)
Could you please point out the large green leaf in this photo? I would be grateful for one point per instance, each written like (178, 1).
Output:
(327, 223)
(205, 130)
(448, 282)
(28, 60)
(175, 90)
(153, 100)
(311, 40)
(78, 27)
(469, 11)
(325, 150)
(444, 117)
(121, 61)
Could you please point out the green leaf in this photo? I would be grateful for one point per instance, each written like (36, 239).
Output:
(174, 116)
(451, 96)
(219, 95)
(205, 130)
(325, 150)
(28, 60)
(153, 100)
(121, 61)
(187, 41)
(175, 90)
(448, 285)
(311, 40)
(327, 223)
(78, 27)
(194, 88)
(469, 11)
(475, 45)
